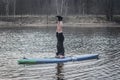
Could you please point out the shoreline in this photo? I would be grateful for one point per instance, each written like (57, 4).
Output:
(76, 25)
(41, 25)
(50, 21)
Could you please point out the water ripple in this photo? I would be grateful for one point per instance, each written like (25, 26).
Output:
(16, 43)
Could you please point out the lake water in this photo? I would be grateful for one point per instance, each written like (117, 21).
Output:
(16, 43)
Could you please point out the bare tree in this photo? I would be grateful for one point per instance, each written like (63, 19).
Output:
(61, 5)
(14, 10)
(83, 7)
(109, 10)
(66, 7)
(7, 6)
(2, 7)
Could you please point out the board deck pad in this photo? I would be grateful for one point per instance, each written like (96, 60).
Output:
(57, 60)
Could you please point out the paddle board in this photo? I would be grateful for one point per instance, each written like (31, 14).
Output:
(57, 60)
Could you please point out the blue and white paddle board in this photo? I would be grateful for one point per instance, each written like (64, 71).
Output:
(57, 60)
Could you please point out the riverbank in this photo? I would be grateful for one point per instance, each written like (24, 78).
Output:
(39, 25)
(45, 21)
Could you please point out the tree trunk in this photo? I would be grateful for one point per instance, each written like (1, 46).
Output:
(83, 7)
(14, 8)
(7, 7)
(109, 10)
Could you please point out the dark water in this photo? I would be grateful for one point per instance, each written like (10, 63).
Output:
(16, 43)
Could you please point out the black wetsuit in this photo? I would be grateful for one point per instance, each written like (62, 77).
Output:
(60, 46)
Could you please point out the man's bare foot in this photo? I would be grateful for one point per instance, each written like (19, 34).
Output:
(59, 56)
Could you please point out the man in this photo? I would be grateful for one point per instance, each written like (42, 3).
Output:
(60, 38)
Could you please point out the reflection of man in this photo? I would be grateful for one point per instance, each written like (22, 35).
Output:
(60, 38)
(59, 74)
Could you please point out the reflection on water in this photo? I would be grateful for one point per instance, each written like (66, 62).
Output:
(15, 43)
(59, 74)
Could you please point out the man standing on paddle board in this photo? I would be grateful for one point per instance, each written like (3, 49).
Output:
(60, 38)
